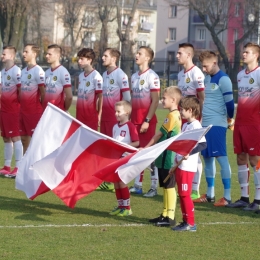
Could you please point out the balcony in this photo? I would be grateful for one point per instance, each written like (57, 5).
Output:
(196, 19)
(199, 44)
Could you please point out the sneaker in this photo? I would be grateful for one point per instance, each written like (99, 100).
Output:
(238, 204)
(165, 222)
(125, 212)
(195, 195)
(203, 199)
(222, 202)
(185, 227)
(151, 193)
(252, 207)
(105, 186)
(155, 220)
(5, 170)
(136, 190)
(115, 211)
(12, 174)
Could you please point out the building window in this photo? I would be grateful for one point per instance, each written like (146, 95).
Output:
(141, 43)
(88, 20)
(235, 35)
(172, 11)
(237, 9)
(67, 37)
(172, 34)
(201, 34)
(87, 39)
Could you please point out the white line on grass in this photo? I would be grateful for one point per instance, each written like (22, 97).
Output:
(122, 225)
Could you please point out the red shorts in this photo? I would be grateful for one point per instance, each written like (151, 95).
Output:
(91, 124)
(184, 181)
(106, 127)
(144, 138)
(9, 123)
(246, 139)
(28, 123)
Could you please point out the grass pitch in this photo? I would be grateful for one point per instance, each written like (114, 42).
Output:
(46, 229)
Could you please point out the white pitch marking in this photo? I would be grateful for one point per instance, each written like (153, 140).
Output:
(124, 225)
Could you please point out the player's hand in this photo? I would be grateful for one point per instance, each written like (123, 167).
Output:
(186, 157)
(144, 127)
(99, 120)
(172, 170)
(231, 123)
(140, 148)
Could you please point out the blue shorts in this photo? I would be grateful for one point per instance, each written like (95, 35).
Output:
(216, 142)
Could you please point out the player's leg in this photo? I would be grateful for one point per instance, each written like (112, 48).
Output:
(196, 181)
(119, 198)
(126, 209)
(25, 142)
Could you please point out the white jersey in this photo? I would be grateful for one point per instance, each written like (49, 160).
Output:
(191, 81)
(125, 133)
(191, 163)
(55, 81)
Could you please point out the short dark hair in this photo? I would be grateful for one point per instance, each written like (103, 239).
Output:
(56, 47)
(114, 53)
(149, 51)
(187, 45)
(191, 103)
(35, 48)
(87, 53)
(9, 47)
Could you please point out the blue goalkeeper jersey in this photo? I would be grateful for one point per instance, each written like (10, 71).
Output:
(218, 104)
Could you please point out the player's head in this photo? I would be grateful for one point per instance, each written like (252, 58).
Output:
(171, 97)
(209, 62)
(54, 52)
(185, 53)
(30, 52)
(123, 110)
(110, 57)
(8, 53)
(86, 57)
(251, 53)
(144, 55)
(190, 107)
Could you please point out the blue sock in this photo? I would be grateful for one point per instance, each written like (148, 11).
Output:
(225, 175)
(210, 172)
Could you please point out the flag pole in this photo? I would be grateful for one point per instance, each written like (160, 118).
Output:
(173, 170)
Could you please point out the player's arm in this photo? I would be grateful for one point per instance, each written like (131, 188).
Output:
(135, 143)
(42, 93)
(201, 97)
(152, 109)
(154, 139)
(126, 95)
(99, 105)
(68, 98)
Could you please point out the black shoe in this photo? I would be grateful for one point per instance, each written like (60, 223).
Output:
(165, 222)
(155, 220)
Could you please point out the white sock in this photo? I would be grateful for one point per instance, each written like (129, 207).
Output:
(243, 179)
(257, 183)
(197, 177)
(18, 150)
(8, 152)
(139, 180)
(154, 177)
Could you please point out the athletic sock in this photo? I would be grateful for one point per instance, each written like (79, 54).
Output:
(139, 180)
(165, 202)
(197, 177)
(188, 208)
(171, 202)
(119, 198)
(154, 177)
(18, 150)
(210, 172)
(225, 172)
(126, 197)
(8, 153)
(257, 183)
(243, 179)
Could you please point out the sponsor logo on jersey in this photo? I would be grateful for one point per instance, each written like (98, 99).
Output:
(251, 81)
(166, 120)
(187, 80)
(41, 78)
(123, 133)
(67, 79)
(54, 78)
(8, 77)
(141, 82)
(125, 83)
(88, 84)
(29, 76)
(213, 86)
(111, 81)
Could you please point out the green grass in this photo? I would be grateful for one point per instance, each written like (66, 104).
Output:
(46, 229)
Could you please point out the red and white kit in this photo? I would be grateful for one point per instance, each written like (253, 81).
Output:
(89, 86)
(56, 80)
(191, 81)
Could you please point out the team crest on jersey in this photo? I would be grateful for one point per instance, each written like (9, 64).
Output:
(166, 120)
(187, 80)
(29, 76)
(111, 81)
(213, 86)
(8, 77)
(251, 81)
(141, 82)
(54, 78)
(87, 84)
(123, 133)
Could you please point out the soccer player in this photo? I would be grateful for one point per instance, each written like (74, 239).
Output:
(145, 98)
(10, 111)
(191, 83)
(115, 88)
(124, 131)
(247, 127)
(31, 94)
(218, 108)
(57, 80)
(184, 173)
(89, 102)
(170, 127)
